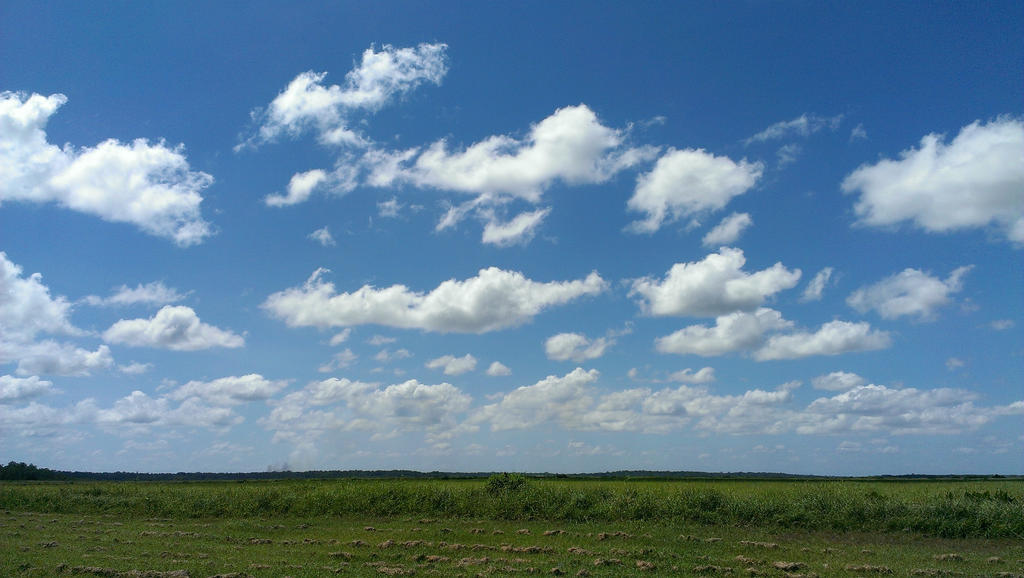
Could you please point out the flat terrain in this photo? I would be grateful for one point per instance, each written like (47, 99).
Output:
(305, 528)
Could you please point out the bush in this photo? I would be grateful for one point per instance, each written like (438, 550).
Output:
(506, 483)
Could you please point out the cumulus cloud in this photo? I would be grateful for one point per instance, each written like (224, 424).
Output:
(152, 294)
(26, 307)
(342, 359)
(874, 408)
(381, 76)
(342, 336)
(453, 365)
(323, 236)
(149, 185)
(688, 182)
(575, 346)
(389, 208)
(728, 231)
(974, 181)
(816, 287)
(17, 390)
(553, 399)
(1002, 324)
(832, 338)
(141, 412)
(494, 299)
(342, 404)
(715, 286)
(26, 311)
(571, 146)
(908, 293)
(498, 369)
(386, 355)
(838, 381)
(702, 375)
(803, 126)
(300, 187)
(737, 331)
(173, 327)
(231, 390)
(49, 357)
(519, 231)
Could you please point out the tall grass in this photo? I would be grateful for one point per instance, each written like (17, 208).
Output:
(946, 509)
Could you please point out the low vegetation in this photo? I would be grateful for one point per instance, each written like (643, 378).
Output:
(512, 524)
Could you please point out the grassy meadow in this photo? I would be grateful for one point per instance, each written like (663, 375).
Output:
(509, 524)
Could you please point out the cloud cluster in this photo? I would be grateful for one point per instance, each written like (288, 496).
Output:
(492, 300)
(346, 405)
(149, 185)
(974, 181)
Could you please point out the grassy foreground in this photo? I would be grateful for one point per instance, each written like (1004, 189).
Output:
(508, 525)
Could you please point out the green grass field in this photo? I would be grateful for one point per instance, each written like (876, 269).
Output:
(511, 525)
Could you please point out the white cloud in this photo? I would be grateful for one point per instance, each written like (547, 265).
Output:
(378, 340)
(711, 287)
(975, 181)
(804, 125)
(788, 154)
(858, 133)
(51, 358)
(141, 412)
(688, 182)
(574, 346)
(1002, 324)
(816, 287)
(342, 404)
(570, 146)
(498, 369)
(380, 77)
(231, 390)
(519, 231)
(173, 327)
(910, 292)
(342, 359)
(17, 390)
(149, 185)
(155, 293)
(551, 400)
(954, 363)
(492, 300)
(838, 381)
(27, 310)
(728, 231)
(386, 355)
(732, 332)
(300, 187)
(389, 208)
(453, 365)
(323, 236)
(135, 368)
(833, 338)
(702, 375)
(874, 408)
(342, 336)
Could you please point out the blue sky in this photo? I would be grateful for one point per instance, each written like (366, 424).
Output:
(522, 236)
